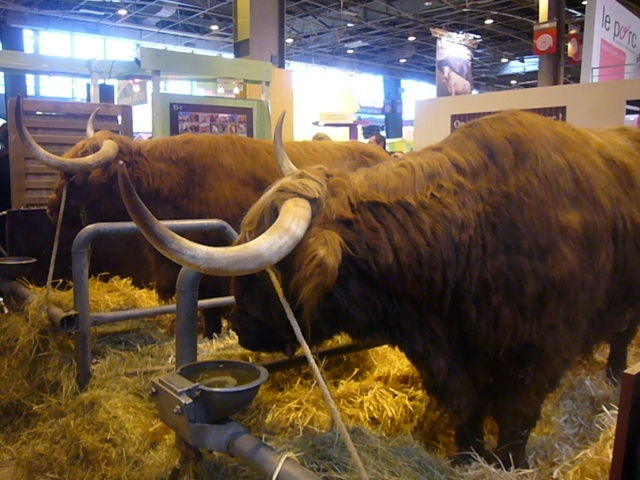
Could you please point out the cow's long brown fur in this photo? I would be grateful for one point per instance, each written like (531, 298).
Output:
(188, 177)
(491, 259)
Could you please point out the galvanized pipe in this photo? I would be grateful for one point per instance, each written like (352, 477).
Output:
(234, 439)
(80, 273)
(264, 459)
(299, 360)
(187, 316)
(12, 288)
(119, 315)
(187, 286)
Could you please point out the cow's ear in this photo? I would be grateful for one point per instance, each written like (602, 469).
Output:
(318, 260)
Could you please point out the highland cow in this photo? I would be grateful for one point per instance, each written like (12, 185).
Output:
(187, 176)
(492, 259)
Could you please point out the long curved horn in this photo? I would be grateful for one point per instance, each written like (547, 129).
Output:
(90, 129)
(286, 165)
(262, 252)
(107, 153)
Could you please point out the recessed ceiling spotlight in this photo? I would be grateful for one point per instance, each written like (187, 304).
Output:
(350, 50)
(411, 38)
(513, 82)
(289, 40)
(122, 12)
(403, 60)
(215, 27)
(488, 21)
(428, 4)
(350, 24)
(504, 59)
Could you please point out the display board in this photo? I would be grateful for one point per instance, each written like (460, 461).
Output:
(176, 114)
(215, 119)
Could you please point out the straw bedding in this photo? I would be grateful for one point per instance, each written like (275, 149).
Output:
(48, 429)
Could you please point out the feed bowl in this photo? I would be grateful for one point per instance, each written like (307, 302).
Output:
(226, 386)
(12, 268)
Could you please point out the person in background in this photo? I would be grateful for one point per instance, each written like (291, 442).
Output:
(379, 140)
(321, 137)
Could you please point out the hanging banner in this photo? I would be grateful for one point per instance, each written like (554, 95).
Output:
(574, 48)
(132, 92)
(545, 38)
(454, 74)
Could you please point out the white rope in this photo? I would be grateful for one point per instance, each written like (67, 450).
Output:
(321, 382)
(283, 458)
(54, 250)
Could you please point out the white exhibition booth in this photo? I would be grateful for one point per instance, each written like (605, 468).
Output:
(592, 105)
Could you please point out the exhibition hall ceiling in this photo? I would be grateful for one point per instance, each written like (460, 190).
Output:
(361, 35)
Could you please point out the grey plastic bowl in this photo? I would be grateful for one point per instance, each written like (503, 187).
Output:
(226, 386)
(13, 268)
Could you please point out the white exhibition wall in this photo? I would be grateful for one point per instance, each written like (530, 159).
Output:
(589, 105)
(611, 42)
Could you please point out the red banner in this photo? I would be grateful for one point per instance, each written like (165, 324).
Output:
(545, 38)
(574, 48)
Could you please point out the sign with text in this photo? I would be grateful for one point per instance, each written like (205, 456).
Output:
(555, 113)
(336, 117)
(611, 42)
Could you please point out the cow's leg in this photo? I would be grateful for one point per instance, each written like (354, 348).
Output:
(213, 287)
(618, 345)
(470, 436)
(212, 322)
(516, 413)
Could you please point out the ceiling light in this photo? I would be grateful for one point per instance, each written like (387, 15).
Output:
(350, 24)
(513, 82)
(488, 21)
(411, 38)
(350, 50)
(584, 2)
(504, 59)
(122, 12)
(289, 40)
(403, 60)
(215, 27)
(428, 4)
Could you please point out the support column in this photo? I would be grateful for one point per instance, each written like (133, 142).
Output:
(258, 32)
(15, 84)
(393, 107)
(551, 67)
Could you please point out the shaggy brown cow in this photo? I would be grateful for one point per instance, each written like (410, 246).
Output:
(187, 176)
(492, 259)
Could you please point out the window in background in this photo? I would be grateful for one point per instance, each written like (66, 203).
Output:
(412, 91)
(55, 86)
(178, 87)
(318, 89)
(54, 43)
(29, 39)
(88, 46)
(119, 49)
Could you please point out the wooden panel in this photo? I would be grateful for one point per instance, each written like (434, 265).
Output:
(57, 126)
(282, 100)
(626, 446)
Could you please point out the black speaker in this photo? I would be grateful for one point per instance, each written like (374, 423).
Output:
(107, 93)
